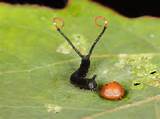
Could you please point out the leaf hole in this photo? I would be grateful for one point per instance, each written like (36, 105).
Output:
(137, 83)
(153, 72)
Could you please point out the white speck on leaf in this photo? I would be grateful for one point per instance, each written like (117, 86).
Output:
(122, 55)
(64, 49)
(42, 18)
(79, 41)
(130, 29)
(151, 35)
(122, 60)
(105, 71)
(53, 108)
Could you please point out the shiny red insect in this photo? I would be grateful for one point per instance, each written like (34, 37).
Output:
(112, 91)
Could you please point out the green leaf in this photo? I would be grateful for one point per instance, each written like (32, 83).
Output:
(36, 63)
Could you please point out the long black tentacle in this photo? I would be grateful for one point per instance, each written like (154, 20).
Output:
(70, 43)
(96, 41)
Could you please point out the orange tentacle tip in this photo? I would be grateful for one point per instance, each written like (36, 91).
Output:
(112, 91)
(101, 21)
(58, 22)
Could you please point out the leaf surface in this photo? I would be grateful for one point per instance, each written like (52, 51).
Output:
(36, 63)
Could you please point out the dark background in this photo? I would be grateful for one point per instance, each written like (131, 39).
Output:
(129, 8)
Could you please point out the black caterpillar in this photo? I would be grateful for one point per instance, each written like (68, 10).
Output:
(78, 78)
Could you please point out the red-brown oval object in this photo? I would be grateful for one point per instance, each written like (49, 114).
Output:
(112, 91)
